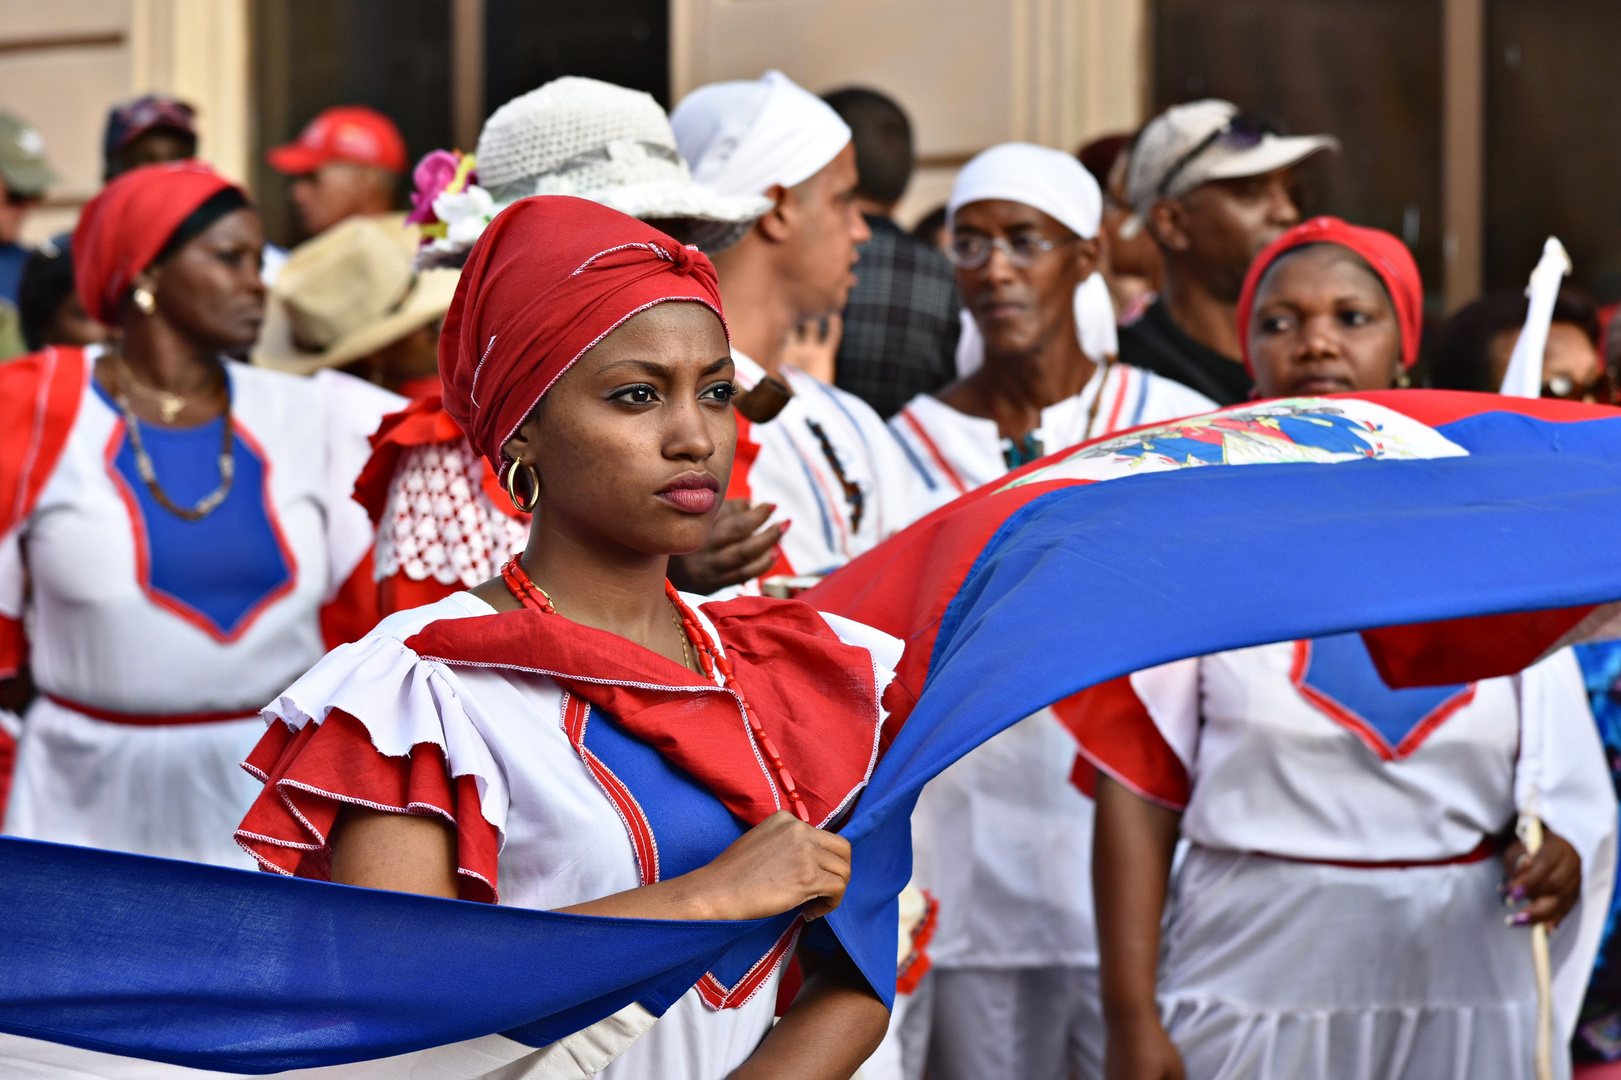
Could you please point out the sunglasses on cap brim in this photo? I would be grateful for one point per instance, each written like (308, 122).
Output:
(1242, 131)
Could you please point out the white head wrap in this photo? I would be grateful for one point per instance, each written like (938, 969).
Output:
(742, 138)
(1060, 187)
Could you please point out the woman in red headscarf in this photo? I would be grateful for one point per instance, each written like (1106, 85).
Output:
(1340, 911)
(575, 734)
(173, 528)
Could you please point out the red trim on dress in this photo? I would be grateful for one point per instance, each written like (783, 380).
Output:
(576, 713)
(148, 719)
(1117, 736)
(718, 996)
(1119, 400)
(143, 559)
(310, 775)
(1347, 718)
(934, 451)
(1479, 853)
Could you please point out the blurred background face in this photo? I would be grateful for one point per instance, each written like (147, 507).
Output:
(71, 326)
(1323, 324)
(1021, 309)
(1224, 224)
(13, 208)
(1570, 364)
(337, 190)
(402, 361)
(210, 289)
(1132, 256)
(828, 227)
(153, 148)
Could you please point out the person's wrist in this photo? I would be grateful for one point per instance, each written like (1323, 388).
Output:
(1131, 1013)
(699, 898)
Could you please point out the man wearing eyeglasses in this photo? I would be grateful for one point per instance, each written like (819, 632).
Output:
(1003, 837)
(1212, 185)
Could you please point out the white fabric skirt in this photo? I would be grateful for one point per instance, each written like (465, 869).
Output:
(177, 791)
(1276, 970)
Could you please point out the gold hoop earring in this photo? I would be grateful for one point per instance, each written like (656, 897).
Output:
(1403, 380)
(523, 506)
(144, 300)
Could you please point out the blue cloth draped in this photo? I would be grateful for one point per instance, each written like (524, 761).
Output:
(252, 973)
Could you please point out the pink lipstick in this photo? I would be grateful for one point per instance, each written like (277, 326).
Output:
(692, 493)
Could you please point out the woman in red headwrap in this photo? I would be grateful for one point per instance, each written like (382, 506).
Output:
(575, 734)
(1340, 911)
(173, 527)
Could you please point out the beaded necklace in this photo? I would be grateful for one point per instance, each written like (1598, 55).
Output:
(533, 597)
(143, 460)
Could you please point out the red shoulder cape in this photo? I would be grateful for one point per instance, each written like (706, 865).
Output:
(816, 697)
(39, 400)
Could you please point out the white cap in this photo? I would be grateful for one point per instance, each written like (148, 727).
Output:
(1182, 148)
(1039, 176)
(744, 138)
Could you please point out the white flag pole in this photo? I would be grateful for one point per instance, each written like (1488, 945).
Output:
(1524, 375)
(1524, 379)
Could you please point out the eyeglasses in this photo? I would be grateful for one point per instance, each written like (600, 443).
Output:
(970, 251)
(1601, 390)
(1241, 132)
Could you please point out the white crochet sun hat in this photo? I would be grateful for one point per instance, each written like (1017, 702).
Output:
(597, 141)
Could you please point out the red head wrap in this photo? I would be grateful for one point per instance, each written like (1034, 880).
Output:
(124, 228)
(550, 277)
(1384, 253)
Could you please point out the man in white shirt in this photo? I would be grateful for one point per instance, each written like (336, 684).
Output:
(825, 463)
(1003, 838)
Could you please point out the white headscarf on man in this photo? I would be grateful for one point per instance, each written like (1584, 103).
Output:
(743, 138)
(1060, 187)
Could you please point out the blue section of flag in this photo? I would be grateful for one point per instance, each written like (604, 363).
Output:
(254, 973)
(224, 566)
(1341, 668)
(250, 973)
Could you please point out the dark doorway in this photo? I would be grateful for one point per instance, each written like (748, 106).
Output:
(1368, 71)
(530, 42)
(396, 56)
(393, 55)
(1553, 140)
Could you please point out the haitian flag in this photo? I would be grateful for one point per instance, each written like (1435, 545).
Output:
(1476, 532)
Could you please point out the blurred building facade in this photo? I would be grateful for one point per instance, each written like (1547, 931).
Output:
(1473, 128)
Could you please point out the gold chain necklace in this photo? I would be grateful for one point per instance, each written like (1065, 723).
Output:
(170, 405)
(686, 650)
(149, 473)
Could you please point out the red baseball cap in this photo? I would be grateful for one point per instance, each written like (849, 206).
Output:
(352, 133)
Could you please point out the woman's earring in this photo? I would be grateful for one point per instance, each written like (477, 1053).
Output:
(144, 300)
(1403, 380)
(523, 506)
